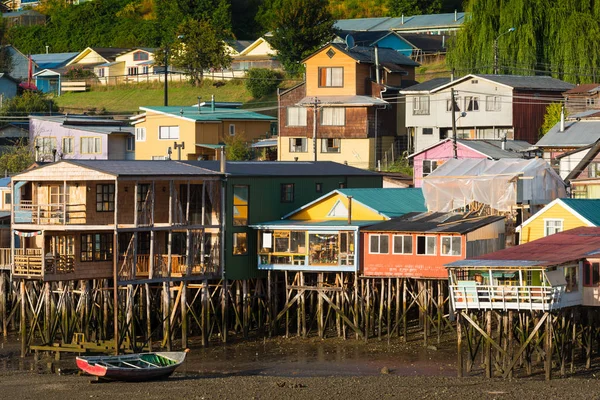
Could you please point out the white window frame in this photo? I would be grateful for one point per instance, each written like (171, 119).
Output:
(379, 236)
(451, 247)
(71, 147)
(421, 105)
(101, 72)
(401, 237)
(473, 101)
(555, 229)
(333, 80)
(333, 116)
(493, 103)
(433, 165)
(140, 134)
(427, 237)
(296, 116)
(335, 148)
(168, 132)
(449, 104)
(94, 145)
(132, 71)
(303, 147)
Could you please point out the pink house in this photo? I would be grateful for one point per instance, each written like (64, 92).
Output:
(428, 159)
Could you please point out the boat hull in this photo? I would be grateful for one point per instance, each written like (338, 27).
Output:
(132, 368)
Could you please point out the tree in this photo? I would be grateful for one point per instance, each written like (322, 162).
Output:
(552, 117)
(236, 148)
(199, 48)
(414, 7)
(17, 159)
(27, 103)
(299, 28)
(261, 82)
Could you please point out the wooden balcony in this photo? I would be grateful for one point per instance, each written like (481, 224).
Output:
(469, 295)
(49, 214)
(28, 262)
(161, 263)
(4, 259)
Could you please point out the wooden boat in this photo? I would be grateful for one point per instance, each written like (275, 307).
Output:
(132, 367)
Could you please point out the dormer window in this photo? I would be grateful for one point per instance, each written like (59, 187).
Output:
(140, 56)
(331, 77)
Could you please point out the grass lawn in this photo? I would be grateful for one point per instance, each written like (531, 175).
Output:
(128, 98)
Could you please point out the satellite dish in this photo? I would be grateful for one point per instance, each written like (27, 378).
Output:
(349, 42)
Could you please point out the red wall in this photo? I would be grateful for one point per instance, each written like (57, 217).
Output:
(406, 265)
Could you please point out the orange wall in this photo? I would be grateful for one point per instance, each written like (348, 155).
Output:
(406, 265)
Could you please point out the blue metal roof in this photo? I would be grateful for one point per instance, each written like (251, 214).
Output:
(52, 60)
(415, 22)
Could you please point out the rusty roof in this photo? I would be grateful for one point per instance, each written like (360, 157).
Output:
(584, 88)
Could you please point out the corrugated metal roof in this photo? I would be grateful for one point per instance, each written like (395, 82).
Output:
(546, 83)
(264, 143)
(567, 246)
(207, 115)
(493, 148)
(436, 222)
(427, 85)
(52, 60)
(144, 168)
(494, 263)
(359, 24)
(584, 88)
(587, 208)
(284, 168)
(426, 43)
(364, 54)
(390, 202)
(364, 38)
(416, 22)
(576, 133)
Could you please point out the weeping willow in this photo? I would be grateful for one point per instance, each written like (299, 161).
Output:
(552, 37)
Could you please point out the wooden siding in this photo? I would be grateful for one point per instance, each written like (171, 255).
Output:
(535, 228)
(321, 59)
(289, 99)
(529, 108)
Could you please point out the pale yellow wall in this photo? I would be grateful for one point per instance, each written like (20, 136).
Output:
(359, 153)
(127, 58)
(153, 146)
(535, 229)
(321, 59)
(319, 211)
(262, 49)
(90, 58)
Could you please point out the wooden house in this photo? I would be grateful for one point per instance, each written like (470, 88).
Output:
(418, 245)
(356, 113)
(91, 57)
(323, 235)
(130, 66)
(560, 215)
(201, 131)
(583, 97)
(532, 276)
(258, 54)
(77, 220)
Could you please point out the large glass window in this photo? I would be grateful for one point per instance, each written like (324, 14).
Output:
(142, 195)
(451, 245)
(403, 244)
(240, 205)
(45, 145)
(471, 103)
(333, 116)
(140, 134)
(571, 278)
(105, 197)
(426, 245)
(140, 56)
(323, 248)
(67, 145)
(296, 116)
(379, 244)
(591, 274)
(331, 77)
(96, 247)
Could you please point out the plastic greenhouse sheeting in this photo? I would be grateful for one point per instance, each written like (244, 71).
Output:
(500, 184)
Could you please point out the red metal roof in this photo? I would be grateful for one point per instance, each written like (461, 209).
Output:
(559, 248)
(583, 88)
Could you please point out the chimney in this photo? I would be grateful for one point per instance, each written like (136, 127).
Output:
(443, 41)
(455, 15)
(212, 103)
(223, 160)
(349, 210)
(452, 75)
(376, 63)
(562, 119)
(402, 19)
(504, 143)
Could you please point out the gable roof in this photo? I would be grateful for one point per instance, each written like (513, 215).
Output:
(207, 115)
(577, 133)
(487, 147)
(283, 168)
(120, 168)
(239, 45)
(52, 60)
(592, 152)
(583, 209)
(574, 244)
(366, 55)
(427, 86)
(107, 53)
(584, 88)
(434, 222)
(415, 22)
(368, 38)
(255, 44)
(523, 82)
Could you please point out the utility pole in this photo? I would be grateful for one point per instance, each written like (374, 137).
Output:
(316, 103)
(453, 99)
(166, 75)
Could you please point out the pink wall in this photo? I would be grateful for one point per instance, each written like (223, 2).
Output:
(441, 152)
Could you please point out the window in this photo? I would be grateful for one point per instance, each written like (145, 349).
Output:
(333, 116)
(427, 131)
(319, 187)
(132, 70)
(96, 247)
(100, 72)
(7, 198)
(552, 226)
(140, 134)
(56, 195)
(429, 166)
(145, 70)
(140, 56)
(240, 205)
(426, 245)
(298, 145)
(456, 103)
(105, 197)
(421, 105)
(402, 244)
(45, 145)
(231, 130)
(91, 145)
(471, 103)
(168, 132)
(287, 192)
(296, 116)
(330, 145)
(67, 145)
(591, 274)
(589, 101)
(130, 143)
(493, 103)
(240, 243)
(142, 194)
(571, 278)
(331, 77)
(379, 244)
(451, 245)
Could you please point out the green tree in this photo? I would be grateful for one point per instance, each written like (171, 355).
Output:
(198, 49)
(552, 117)
(27, 103)
(17, 159)
(236, 148)
(299, 28)
(414, 7)
(261, 82)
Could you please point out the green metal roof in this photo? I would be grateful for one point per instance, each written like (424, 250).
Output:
(389, 202)
(308, 224)
(208, 115)
(587, 208)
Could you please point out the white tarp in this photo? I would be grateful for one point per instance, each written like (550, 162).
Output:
(498, 183)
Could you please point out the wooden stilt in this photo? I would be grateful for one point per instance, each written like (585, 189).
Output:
(166, 296)
(224, 310)
(488, 345)
(3, 298)
(23, 322)
(148, 316)
(404, 316)
(184, 322)
(459, 363)
(548, 349)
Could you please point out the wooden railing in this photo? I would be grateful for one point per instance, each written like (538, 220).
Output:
(49, 214)
(4, 258)
(178, 266)
(470, 296)
(28, 262)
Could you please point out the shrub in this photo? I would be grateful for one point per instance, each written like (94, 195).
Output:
(261, 82)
